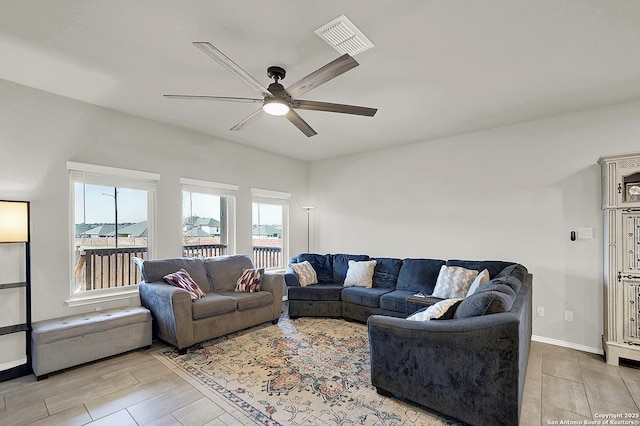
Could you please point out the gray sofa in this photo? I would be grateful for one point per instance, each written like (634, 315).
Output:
(182, 322)
(470, 366)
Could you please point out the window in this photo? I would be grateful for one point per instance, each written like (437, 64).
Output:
(269, 229)
(208, 218)
(112, 212)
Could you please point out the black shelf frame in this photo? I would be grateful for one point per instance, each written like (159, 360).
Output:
(22, 369)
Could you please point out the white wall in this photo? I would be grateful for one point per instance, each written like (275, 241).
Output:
(39, 132)
(512, 193)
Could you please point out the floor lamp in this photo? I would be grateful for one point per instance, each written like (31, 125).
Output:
(308, 209)
(14, 228)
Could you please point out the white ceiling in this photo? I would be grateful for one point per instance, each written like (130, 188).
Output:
(438, 68)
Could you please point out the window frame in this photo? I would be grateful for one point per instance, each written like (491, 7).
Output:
(219, 189)
(266, 196)
(109, 176)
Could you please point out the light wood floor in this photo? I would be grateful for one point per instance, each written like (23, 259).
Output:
(137, 389)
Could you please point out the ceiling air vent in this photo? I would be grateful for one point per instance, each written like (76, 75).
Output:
(344, 36)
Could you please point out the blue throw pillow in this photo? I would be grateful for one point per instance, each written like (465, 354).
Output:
(419, 275)
(484, 303)
(385, 275)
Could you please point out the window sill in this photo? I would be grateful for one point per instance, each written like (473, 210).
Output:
(89, 298)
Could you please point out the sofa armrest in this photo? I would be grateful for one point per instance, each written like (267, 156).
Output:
(466, 368)
(171, 310)
(274, 283)
(291, 278)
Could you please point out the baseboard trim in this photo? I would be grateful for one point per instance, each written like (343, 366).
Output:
(569, 345)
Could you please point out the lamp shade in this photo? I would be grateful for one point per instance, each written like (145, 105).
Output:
(14, 221)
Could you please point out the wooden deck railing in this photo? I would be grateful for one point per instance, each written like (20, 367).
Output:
(100, 268)
(267, 257)
(204, 250)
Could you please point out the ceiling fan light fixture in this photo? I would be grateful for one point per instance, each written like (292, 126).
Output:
(275, 106)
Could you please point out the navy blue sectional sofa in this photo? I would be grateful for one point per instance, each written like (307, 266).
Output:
(471, 366)
(393, 281)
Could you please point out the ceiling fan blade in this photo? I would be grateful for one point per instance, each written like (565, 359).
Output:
(224, 60)
(302, 125)
(320, 76)
(214, 98)
(250, 119)
(329, 107)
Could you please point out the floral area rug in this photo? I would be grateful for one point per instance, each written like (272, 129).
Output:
(309, 371)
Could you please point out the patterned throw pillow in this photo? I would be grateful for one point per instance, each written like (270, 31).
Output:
(360, 274)
(183, 280)
(481, 279)
(453, 281)
(250, 280)
(434, 311)
(305, 272)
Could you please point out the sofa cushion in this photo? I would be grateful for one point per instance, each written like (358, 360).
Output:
(482, 278)
(443, 309)
(247, 301)
(493, 266)
(369, 297)
(155, 270)
(316, 292)
(322, 263)
(360, 274)
(395, 301)
(498, 285)
(341, 265)
(484, 303)
(514, 283)
(385, 274)
(515, 270)
(224, 271)
(453, 281)
(419, 275)
(305, 273)
(212, 304)
(183, 280)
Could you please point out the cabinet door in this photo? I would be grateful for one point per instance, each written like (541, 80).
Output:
(631, 312)
(627, 183)
(629, 275)
(630, 242)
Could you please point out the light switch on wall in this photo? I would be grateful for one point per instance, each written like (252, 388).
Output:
(585, 233)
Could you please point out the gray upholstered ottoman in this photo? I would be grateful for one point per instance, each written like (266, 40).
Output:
(61, 343)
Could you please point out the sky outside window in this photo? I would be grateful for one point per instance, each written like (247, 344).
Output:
(95, 204)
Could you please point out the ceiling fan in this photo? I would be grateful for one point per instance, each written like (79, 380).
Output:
(276, 100)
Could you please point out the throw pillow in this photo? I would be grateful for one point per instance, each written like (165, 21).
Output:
(481, 279)
(305, 272)
(453, 281)
(250, 281)
(360, 274)
(183, 280)
(434, 311)
(483, 303)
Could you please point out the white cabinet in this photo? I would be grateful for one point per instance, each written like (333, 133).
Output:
(621, 208)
